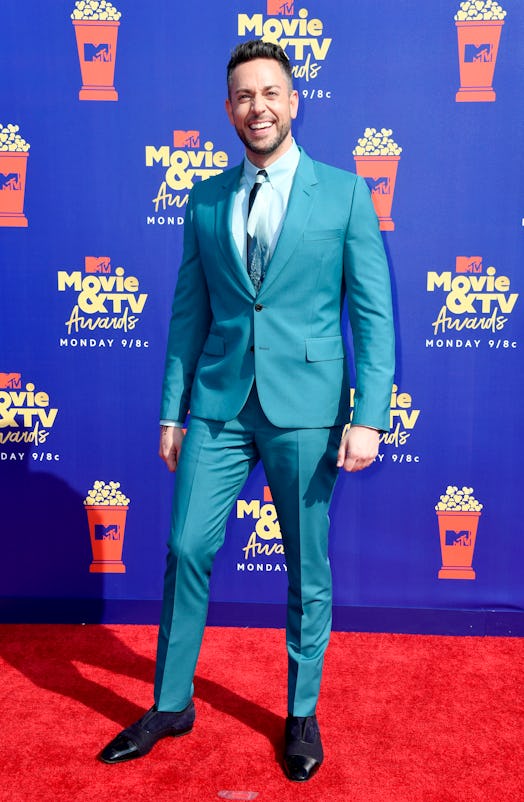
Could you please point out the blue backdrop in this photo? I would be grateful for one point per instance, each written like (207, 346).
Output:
(121, 116)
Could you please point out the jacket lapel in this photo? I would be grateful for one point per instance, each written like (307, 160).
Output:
(296, 219)
(224, 227)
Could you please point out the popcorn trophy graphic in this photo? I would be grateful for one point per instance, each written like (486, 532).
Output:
(458, 517)
(14, 152)
(376, 159)
(479, 25)
(96, 28)
(106, 508)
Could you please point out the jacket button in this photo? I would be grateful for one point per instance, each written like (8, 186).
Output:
(252, 348)
(258, 307)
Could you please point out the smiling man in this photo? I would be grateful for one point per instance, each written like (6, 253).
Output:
(261, 105)
(255, 349)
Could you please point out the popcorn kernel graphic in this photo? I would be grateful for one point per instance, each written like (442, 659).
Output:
(95, 10)
(480, 10)
(10, 139)
(377, 143)
(458, 500)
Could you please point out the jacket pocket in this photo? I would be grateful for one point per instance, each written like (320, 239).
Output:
(214, 345)
(319, 349)
(323, 233)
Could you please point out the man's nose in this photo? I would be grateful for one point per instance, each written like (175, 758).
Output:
(257, 104)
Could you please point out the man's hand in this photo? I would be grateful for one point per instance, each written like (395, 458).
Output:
(171, 439)
(358, 448)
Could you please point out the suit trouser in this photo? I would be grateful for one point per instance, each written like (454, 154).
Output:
(300, 466)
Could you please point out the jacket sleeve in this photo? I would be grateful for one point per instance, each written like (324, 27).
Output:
(189, 326)
(370, 312)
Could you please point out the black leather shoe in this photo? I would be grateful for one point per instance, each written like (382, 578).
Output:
(303, 753)
(138, 739)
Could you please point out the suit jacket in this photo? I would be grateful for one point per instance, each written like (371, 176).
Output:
(223, 335)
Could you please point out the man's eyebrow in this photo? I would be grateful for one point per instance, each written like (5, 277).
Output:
(264, 89)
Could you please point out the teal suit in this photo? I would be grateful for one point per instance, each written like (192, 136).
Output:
(265, 377)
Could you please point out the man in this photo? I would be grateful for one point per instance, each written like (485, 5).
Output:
(255, 350)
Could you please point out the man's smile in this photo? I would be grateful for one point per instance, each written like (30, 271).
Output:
(260, 125)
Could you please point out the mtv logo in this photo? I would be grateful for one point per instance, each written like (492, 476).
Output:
(477, 53)
(101, 52)
(277, 8)
(10, 181)
(379, 186)
(186, 139)
(468, 264)
(10, 381)
(111, 532)
(98, 264)
(462, 538)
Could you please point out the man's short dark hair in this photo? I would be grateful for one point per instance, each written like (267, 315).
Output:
(256, 48)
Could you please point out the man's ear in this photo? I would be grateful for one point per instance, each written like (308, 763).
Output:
(293, 104)
(229, 111)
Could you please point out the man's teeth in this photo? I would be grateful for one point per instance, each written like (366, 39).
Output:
(259, 126)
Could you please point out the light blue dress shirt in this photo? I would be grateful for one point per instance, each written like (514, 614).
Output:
(280, 175)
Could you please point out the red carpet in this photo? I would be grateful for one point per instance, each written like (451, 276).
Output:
(404, 718)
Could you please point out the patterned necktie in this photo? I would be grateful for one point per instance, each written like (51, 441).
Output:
(257, 229)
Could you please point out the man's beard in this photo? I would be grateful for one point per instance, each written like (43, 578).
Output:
(268, 147)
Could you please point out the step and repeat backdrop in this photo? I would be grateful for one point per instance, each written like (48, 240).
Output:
(109, 113)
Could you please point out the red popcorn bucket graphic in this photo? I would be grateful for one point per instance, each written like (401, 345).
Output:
(106, 530)
(13, 166)
(380, 173)
(458, 534)
(96, 42)
(478, 47)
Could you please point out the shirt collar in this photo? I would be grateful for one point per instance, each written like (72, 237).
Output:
(278, 171)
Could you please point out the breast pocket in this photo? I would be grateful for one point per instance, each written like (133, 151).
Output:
(323, 234)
